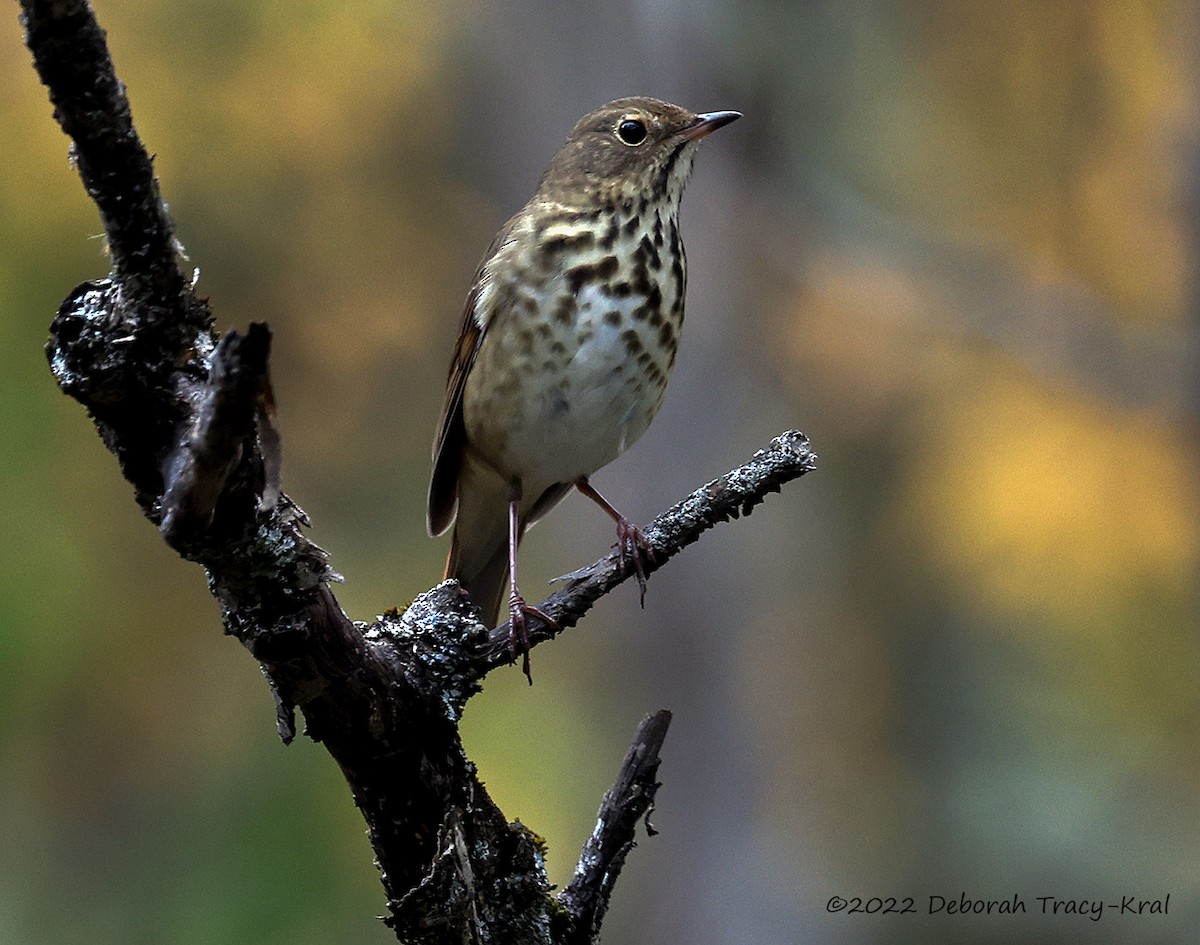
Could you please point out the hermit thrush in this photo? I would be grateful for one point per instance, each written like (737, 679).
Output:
(568, 338)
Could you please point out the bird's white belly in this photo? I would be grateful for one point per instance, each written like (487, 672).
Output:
(569, 395)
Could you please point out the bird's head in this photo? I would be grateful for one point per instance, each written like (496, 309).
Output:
(628, 149)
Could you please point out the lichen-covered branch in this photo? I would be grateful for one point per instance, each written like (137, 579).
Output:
(785, 458)
(188, 415)
(235, 403)
(71, 56)
(629, 800)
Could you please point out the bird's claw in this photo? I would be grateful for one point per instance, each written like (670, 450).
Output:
(632, 544)
(518, 630)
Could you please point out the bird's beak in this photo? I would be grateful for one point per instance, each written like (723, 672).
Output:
(708, 122)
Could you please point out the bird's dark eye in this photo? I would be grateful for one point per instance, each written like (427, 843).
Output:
(631, 132)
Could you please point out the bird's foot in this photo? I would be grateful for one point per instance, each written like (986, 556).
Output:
(518, 629)
(633, 546)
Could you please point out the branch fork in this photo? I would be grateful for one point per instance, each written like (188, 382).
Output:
(189, 416)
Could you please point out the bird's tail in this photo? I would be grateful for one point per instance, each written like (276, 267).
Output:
(481, 567)
(479, 547)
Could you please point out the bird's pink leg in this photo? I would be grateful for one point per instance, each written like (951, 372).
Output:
(518, 633)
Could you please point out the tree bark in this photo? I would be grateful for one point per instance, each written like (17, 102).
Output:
(189, 415)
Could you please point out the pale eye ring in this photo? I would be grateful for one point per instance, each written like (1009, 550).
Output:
(631, 131)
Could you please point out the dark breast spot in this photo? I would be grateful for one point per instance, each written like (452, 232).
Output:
(648, 252)
(565, 308)
(524, 342)
(591, 273)
(641, 276)
(633, 344)
(678, 262)
(556, 245)
(609, 239)
(652, 308)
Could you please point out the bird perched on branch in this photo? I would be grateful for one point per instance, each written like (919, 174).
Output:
(569, 335)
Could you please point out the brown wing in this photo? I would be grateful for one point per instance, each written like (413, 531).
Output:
(451, 435)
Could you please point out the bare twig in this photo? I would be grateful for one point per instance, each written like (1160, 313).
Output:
(785, 458)
(629, 800)
(222, 427)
